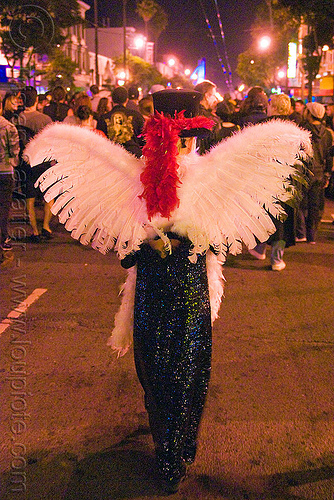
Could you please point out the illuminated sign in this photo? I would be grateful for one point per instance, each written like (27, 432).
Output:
(292, 60)
(199, 74)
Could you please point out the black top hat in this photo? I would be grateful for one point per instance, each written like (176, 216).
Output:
(171, 101)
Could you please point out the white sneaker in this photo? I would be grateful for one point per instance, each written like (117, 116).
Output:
(279, 266)
(260, 256)
(299, 240)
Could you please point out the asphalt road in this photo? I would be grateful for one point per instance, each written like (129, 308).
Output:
(73, 423)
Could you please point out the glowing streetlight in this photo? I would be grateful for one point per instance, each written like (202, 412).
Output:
(139, 42)
(187, 72)
(171, 62)
(281, 74)
(252, 61)
(264, 42)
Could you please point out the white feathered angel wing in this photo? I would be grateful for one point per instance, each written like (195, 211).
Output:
(223, 194)
(95, 184)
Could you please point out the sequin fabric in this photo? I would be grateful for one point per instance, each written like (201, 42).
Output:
(172, 347)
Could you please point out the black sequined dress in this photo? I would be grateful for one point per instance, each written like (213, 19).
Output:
(172, 348)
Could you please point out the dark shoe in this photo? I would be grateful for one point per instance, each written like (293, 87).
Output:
(6, 245)
(46, 235)
(34, 238)
(189, 454)
(171, 485)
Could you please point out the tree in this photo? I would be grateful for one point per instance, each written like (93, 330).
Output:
(318, 16)
(255, 69)
(146, 10)
(60, 70)
(277, 23)
(141, 72)
(159, 23)
(29, 28)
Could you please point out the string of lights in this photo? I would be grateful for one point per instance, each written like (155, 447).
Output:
(227, 74)
(224, 45)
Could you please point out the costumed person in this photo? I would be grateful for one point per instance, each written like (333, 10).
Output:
(172, 216)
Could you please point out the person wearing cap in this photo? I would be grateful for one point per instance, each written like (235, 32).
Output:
(122, 125)
(133, 98)
(313, 197)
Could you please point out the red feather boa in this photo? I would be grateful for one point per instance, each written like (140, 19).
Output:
(160, 177)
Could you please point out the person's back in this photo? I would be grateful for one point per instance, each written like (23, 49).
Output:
(121, 125)
(313, 199)
(9, 150)
(31, 121)
(321, 143)
(30, 117)
(57, 109)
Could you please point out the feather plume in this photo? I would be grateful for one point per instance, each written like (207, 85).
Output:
(160, 177)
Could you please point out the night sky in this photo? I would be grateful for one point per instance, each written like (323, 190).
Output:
(187, 35)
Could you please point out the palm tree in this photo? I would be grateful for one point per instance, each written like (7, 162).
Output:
(147, 9)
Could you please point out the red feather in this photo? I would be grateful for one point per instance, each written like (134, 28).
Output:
(160, 177)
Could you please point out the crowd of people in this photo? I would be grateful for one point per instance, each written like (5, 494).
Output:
(120, 115)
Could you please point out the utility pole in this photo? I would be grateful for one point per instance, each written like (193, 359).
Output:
(97, 77)
(124, 34)
(268, 2)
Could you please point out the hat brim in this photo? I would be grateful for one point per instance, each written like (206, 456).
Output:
(200, 133)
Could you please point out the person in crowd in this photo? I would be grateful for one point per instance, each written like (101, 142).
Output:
(103, 107)
(95, 97)
(279, 107)
(30, 117)
(57, 110)
(330, 115)
(156, 88)
(254, 107)
(133, 95)
(313, 198)
(146, 107)
(227, 105)
(81, 99)
(227, 127)
(30, 122)
(10, 106)
(9, 153)
(207, 108)
(121, 125)
(42, 101)
(297, 108)
(85, 118)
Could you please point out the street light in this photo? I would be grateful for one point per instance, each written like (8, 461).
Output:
(139, 42)
(265, 42)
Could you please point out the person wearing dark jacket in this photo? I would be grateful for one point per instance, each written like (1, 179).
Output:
(57, 109)
(253, 109)
(312, 203)
(121, 125)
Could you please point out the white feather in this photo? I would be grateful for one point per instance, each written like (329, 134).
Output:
(223, 196)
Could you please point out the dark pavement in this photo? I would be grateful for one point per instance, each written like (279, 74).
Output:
(73, 423)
